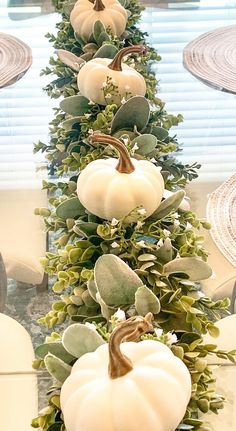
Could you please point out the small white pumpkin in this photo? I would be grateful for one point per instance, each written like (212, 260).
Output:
(132, 386)
(110, 190)
(86, 12)
(99, 74)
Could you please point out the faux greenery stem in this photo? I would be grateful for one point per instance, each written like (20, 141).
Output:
(125, 165)
(130, 330)
(98, 5)
(116, 63)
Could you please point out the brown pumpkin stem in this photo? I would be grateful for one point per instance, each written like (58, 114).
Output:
(125, 165)
(98, 5)
(116, 63)
(130, 330)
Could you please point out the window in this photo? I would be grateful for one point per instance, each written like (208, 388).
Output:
(25, 110)
(208, 132)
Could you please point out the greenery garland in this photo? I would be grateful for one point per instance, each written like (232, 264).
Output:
(155, 263)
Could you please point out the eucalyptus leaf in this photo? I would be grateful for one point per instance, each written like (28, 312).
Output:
(195, 268)
(88, 299)
(56, 348)
(106, 51)
(79, 339)
(123, 2)
(146, 257)
(146, 144)
(75, 105)
(71, 60)
(146, 301)
(134, 113)
(70, 208)
(116, 282)
(168, 205)
(85, 228)
(57, 368)
(74, 147)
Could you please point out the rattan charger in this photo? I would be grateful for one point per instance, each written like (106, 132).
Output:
(211, 58)
(15, 59)
(221, 213)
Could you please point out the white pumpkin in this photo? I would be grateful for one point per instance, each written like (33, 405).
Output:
(110, 12)
(110, 190)
(125, 81)
(130, 387)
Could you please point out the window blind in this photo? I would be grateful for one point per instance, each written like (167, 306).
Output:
(25, 110)
(208, 133)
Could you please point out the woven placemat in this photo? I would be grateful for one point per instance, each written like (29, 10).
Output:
(221, 213)
(211, 58)
(15, 59)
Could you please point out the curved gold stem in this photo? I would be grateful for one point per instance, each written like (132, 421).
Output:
(116, 63)
(125, 165)
(130, 330)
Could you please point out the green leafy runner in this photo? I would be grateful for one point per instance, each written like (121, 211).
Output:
(107, 271)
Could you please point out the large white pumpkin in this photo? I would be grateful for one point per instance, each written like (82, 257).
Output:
(110, 190)
(110, 12)
(104, 81)
(130, 387)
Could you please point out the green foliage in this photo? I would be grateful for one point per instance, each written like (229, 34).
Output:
(103, 270)
(79, 339)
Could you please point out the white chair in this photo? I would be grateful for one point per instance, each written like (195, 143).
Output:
(22, 234)
(18, 380)
(3, 285)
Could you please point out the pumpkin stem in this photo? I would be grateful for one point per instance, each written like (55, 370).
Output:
(125, 165)
(98, 5)
(130, 330)
(116, 63)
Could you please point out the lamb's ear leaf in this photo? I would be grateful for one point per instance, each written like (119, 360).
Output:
(195, 268)
(146, 301)
(75, 105)
(70, 208)
(106, 51)
(132, 114)
(57, 368)
(168, 205)
(116, 282)
(55, 348)
(69, 59)
(79, 339)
